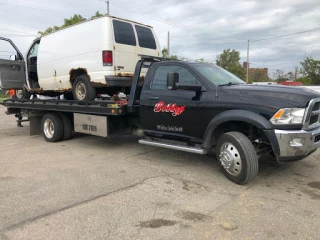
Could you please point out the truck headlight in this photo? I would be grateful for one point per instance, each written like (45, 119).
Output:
(288, 116)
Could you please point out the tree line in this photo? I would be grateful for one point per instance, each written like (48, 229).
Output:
(75, 19)
(308, 74)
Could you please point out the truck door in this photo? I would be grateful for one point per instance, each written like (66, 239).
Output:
(12, 66)
(173, 112)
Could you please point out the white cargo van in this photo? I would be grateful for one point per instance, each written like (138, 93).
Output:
(93, 57)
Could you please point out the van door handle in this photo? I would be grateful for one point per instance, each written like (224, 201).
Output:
(13, 67)
(153, 98)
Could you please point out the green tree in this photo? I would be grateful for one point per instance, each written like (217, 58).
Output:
(257, 76)
(305, 80)
(200, 60)
(174, 57)
(165, 53)
(75, 19)
(230, 60)
(97, 15)
(279, 76)
(311, 69)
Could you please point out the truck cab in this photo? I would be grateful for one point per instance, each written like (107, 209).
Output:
(204, 108)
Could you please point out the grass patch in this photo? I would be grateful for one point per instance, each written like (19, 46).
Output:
(2, 99)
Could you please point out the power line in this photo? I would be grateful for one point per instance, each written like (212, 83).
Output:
(10, 30)
(7, 51)
(48, 10)
(257, 40)
(287, 35)
(172, 23)
(209, 43)
(14, 36)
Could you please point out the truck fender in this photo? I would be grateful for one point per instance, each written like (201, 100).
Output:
(235, 115)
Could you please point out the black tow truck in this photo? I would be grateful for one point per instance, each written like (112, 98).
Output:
(193, 107)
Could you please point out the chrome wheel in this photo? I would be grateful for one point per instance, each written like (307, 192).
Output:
(19, 94)
(48, 128)
(81, 90)
(230, 159)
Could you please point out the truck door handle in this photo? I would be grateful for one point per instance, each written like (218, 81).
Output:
(13, 67)
(153, 98)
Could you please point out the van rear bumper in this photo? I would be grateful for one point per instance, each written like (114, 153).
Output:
(113, 81)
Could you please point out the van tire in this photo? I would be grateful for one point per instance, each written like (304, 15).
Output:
(52, 127)
(22, 94)
(82, 89)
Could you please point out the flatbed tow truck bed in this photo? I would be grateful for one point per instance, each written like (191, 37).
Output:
(103, 108)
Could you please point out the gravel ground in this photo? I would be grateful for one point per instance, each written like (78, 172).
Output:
(96, 188)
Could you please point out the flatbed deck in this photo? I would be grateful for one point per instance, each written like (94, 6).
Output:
(103, 108)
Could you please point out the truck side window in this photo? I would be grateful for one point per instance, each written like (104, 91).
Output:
(145, 37)
(123, 33)
(160, 77)
(7, 51)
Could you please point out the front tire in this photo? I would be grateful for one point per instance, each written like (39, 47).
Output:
(237, 157)
(82, 89)
(52, 128)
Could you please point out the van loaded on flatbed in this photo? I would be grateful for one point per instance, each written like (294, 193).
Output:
(193, 107)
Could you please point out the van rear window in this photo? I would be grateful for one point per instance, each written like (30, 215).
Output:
(145, 37)
(123, 33)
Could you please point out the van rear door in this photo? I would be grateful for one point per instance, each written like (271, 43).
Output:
(125, 48)
(147, 42)
(12, 66)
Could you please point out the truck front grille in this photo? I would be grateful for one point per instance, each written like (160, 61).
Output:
(312, 117)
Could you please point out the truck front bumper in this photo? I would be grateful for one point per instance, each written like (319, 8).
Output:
(296, 145)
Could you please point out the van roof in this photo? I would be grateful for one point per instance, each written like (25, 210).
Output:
(96, 19)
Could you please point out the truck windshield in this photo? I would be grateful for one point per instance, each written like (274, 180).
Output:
(218, 75)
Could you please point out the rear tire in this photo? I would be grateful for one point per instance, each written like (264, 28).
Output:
(82, 89)
(52, 128)
(237, 157)
(67, 126)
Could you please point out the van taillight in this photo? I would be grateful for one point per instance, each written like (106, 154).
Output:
(107, 58)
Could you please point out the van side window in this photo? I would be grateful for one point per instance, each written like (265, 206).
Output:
(123, 33)
(145, 37)
(160, 77)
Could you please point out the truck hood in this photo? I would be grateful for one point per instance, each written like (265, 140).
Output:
(295, 96)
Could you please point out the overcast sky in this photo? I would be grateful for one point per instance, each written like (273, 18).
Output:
(198, 28)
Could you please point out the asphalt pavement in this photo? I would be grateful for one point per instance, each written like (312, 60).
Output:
(97, 188)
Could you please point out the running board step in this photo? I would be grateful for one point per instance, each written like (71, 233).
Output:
(173, 146)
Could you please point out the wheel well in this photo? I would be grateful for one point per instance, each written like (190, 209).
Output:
(251, 131)
(74, 73)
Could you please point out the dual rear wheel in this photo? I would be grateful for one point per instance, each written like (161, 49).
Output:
(56, 127)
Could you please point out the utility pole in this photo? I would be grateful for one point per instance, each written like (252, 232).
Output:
(295, 73)
(108, 7)
(168, 44)
(248, 61)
